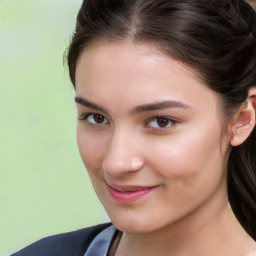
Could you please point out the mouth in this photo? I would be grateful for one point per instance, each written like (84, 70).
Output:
(129, 194)
(126, 189)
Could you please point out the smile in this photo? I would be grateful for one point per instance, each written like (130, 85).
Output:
(128, 194)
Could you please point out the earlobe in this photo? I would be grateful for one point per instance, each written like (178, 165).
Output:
(245, 120)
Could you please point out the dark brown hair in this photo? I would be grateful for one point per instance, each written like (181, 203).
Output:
(216, 38)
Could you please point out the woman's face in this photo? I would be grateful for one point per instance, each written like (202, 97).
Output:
(150, 136)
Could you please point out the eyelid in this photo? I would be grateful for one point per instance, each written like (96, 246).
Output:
(84, 117)
(173, 121)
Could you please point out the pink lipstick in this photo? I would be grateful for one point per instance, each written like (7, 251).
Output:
(128, 194)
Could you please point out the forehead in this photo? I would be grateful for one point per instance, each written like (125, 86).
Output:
(123, 73)
(126, 54)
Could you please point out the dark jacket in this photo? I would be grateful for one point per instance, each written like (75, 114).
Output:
(67, 244)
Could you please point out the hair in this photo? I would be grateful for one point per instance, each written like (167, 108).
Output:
(217, 39)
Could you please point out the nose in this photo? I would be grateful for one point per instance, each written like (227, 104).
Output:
(123, 155)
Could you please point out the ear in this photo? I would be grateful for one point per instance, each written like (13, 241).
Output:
(245, 120)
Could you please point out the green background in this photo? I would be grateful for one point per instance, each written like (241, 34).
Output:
(44, 187)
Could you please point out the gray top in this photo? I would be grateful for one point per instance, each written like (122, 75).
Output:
(100, 245)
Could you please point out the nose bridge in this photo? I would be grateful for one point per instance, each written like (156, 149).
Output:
(123, 153)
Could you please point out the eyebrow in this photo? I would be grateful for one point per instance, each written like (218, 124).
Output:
(139, 109)
(89, 104)
(160, 105)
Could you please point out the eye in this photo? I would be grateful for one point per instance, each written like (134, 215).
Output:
(94, 118)
(161, 122)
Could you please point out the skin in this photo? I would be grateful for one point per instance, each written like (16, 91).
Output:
(187, 213)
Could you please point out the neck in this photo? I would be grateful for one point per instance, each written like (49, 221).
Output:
(210, 230)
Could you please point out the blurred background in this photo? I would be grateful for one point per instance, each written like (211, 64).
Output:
(44, 187)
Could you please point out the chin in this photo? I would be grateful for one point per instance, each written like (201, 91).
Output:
(133, 225)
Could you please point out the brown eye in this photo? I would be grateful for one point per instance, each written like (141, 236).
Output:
(161, 122)
(96, 119)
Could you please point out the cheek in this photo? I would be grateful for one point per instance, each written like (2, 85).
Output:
(91, 149)
(189, 158)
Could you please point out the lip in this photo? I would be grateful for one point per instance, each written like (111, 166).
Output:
(128, 194)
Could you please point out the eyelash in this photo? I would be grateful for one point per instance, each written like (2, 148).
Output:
(171, 121)
(85, 117)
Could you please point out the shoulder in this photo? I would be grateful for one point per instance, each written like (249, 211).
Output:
(66, 244)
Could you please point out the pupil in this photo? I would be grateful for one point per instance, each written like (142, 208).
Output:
(98, 118)
(162, 122)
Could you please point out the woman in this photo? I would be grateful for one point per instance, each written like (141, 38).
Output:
(166, 101)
